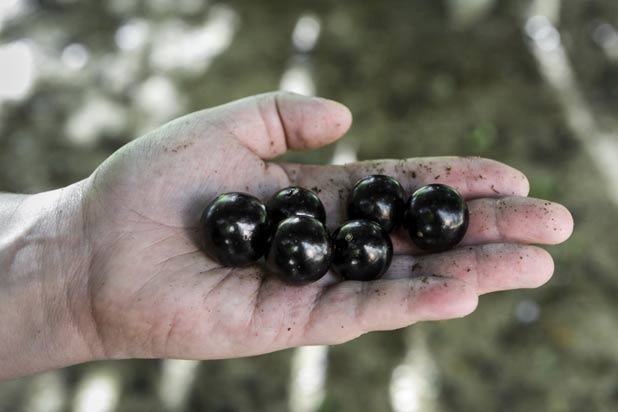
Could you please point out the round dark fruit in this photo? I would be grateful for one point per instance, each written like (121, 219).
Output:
(362, 250)
(295, 201)
(236, 229)
(300, 251)
(436, 217)
(378, 198)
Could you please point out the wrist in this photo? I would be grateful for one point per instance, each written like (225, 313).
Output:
(44, 260)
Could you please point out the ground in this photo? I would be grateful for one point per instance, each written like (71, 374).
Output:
(419, 83)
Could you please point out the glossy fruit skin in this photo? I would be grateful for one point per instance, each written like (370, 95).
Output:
(378, 198)
(295, 201)
(301, 250)
(362, 250)
(436, 217)
(236, 229)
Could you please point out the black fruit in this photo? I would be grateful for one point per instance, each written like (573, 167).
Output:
(236, 229)
(379, 198)
(436, 217)
(362, 250)
(301, 250)
(295, 201)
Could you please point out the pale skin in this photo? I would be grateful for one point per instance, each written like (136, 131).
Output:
(110, 267)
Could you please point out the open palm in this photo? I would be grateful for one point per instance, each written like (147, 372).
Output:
(154, 293)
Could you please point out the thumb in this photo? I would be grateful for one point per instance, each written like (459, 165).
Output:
(272, 123)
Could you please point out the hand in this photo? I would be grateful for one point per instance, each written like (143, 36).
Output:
(151, 292)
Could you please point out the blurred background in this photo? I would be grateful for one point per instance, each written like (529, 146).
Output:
(532, 83)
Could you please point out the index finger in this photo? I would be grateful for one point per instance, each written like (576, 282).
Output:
(473, 177)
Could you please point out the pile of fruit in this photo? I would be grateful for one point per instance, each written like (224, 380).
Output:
(289, 230)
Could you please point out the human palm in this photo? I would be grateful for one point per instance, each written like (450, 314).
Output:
(154, 293)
